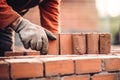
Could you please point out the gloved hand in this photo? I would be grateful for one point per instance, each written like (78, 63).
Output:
(33, 36)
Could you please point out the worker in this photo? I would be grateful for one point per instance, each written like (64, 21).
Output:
(31, 35)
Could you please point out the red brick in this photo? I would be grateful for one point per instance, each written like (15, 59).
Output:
(77, 77)
(53, 48)
(10, 53)
(25, 68)
(118, 75)
(32, 53)
(50, 78)
(59, 67)
(87, 66)
(79, 43)
(92, 43)
(112, 64)
(65, 44)
(105, 76)
(4, 70)
(105, 43)
(3, 58)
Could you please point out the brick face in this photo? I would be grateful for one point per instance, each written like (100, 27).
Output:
(92, 43)
(61, 67)
(107, 76)
(87, 66)
(9, 53)
(32, 53)
(81, 16)
(112, 64)
(79, 43)
(78, 77)
(26, 70)
(4, 70)
(105, 43)
(65, 44)
(50, 78)
(53, 48)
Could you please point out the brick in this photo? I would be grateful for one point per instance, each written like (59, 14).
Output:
(10, 53)
(3, 58)
(4, 70)
(118, 75)
(105, 43)
(32, 53)
(25, 68)
(105, 76)
(87, 66)
(50, 78)
(65, 44)
(53, 48)
(92, 43)
(77, 77)
(59, 67)
(79, 43)
(112, 64)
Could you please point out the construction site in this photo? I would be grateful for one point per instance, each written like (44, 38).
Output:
(87, 46)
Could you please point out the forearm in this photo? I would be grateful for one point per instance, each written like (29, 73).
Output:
(7, 15)
(50, 14)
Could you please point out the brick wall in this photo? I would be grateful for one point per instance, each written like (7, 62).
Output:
(78, 15)
(75, 15)
(78, 56)
(62, 67)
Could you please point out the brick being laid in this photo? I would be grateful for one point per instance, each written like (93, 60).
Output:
(66, 47)
(53, 46)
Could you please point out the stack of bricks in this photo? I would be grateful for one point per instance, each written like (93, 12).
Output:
(60, 67)
(77, 43)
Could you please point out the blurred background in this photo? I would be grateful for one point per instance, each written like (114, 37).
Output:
(84, 16)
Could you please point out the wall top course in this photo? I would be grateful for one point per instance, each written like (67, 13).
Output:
(23, 60)
(46, 58)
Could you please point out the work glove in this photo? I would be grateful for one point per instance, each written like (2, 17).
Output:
(33, 36)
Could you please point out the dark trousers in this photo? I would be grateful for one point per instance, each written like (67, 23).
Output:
(6, 41)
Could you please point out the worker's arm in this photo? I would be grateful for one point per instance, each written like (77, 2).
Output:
(7, 15)
(32, 36)
(49, 11)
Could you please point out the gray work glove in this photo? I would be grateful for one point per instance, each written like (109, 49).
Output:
(33, 36)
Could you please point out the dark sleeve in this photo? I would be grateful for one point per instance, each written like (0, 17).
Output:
(7, 14)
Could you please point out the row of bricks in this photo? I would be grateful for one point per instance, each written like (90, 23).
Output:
(79, 43)
(85, 43)
(45, 66)
(99, 76)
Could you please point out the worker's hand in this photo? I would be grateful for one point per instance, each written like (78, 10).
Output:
(33, 36)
